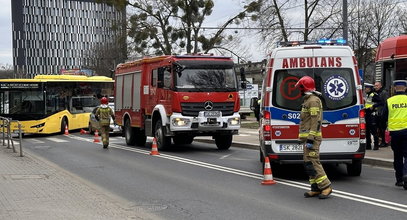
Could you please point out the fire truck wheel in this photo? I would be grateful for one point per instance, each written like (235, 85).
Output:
(162, 141)
(355, 168)
(223, 142)
(140, 137)
(179, 140)
(129, 133)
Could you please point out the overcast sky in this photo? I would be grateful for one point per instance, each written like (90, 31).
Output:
(224, 9)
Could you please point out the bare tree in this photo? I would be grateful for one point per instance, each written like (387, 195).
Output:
(175, 26)
(6, 71)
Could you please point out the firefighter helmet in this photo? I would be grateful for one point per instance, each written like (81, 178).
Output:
(306, 84)
(103, 101)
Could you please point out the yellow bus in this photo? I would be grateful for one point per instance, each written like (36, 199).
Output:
(49, 103)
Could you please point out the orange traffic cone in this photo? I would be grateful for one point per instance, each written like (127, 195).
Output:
(66, 130)
(268, 176)
(83, 131)
(154, 150)
(96, 139)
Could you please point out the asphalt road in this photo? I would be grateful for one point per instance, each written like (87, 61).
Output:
(200, 182)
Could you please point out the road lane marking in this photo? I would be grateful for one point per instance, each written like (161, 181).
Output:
(35, 141)
(58, 140)
(338, 193)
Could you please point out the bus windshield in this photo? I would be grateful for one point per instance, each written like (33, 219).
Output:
(206, 80)
(336, 85)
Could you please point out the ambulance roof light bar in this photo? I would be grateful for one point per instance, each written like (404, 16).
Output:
(322, 41)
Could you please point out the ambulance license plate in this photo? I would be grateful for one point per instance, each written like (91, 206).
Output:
(212, 114)
(290, 148)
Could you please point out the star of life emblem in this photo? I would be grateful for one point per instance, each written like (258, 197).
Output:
(336, 87)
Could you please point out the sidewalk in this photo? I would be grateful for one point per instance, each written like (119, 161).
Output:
(32, 188)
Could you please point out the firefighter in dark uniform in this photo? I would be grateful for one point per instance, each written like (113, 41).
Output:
(371, 117)
(396, 112)
(103, 114)
(310, 136)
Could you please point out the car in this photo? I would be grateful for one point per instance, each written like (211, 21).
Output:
(94, 124)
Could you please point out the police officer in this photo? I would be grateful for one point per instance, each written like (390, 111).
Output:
(396, 112)
(310, 136)
(371, 117)
(103, 114)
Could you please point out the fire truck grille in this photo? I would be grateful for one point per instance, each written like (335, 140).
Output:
(193, 108)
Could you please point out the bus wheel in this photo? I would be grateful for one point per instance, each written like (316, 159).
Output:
(355, 168)
(64, 123)
(162, 141)
(129, 133)
(140, 137)
(223, 142)
(179, 140)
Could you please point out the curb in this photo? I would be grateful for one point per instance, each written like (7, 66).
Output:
(373, 161)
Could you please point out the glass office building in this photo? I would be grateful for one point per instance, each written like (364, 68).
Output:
(52, 35)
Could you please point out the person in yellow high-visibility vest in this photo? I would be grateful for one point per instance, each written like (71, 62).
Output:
(371, 117)
(396, 112)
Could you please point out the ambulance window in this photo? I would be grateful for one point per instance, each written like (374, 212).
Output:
(336, 85)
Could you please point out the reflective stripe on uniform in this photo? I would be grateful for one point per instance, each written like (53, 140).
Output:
(312, 181)
(314, 110)
(303, 135)
(321, 179)
(315, 133)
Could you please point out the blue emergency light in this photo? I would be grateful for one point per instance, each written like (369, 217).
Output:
(325, 41)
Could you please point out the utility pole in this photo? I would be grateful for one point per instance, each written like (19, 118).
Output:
(345, 20)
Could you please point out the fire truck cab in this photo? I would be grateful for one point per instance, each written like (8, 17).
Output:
(177, 97)
(334, 69)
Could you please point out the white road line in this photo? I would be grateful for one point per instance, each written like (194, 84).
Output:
(58, 140)
(34, 141)
(338, 193)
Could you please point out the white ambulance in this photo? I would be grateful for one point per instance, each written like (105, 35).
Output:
(334, 69)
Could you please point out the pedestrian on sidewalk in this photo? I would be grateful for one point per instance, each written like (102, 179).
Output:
(310, 136)
(103, 114)
(379, 106)
(396, 112)
(371, 117)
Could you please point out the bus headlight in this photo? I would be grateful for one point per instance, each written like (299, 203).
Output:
(38, 126)
(234, 121)
(180, 122)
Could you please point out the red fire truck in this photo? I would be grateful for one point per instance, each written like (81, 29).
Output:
(177, 97)
(391, 61)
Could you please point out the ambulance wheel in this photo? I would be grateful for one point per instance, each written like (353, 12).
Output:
(140, 137)
(179, 140)
(162, 141)
(129, 133)
(223, 142)
(355, 168)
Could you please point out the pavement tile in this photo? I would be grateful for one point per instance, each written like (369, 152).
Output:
(34, 189)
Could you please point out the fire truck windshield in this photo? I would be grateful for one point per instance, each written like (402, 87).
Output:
(206, 79)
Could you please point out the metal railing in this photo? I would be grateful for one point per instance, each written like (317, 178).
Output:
(7, 134)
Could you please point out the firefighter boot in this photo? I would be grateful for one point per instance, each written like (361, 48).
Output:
(405, 182)
(325, 193)
(315, 191)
